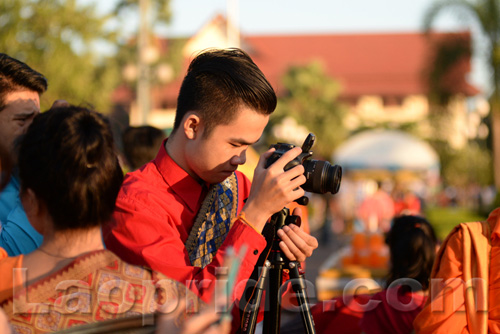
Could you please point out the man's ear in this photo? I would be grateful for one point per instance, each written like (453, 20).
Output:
(192, 125)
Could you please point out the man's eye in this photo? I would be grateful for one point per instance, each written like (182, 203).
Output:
(235, 145)
(23, 118)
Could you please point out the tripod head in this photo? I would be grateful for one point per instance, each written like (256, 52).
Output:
(283, 218)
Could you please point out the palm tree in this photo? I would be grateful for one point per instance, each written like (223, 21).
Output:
(487, 14)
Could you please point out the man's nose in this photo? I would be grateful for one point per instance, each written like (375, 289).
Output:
(239, 159)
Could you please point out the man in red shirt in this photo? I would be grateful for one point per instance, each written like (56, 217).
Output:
(179, 213)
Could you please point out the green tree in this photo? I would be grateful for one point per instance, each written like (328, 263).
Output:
(470, 165)
(59, 39)
(71, 43)
(487, 14)
(449, 54)
(311, 99)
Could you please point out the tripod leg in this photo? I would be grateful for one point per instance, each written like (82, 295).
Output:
(272, 314)
(298, 285)
(249, 321)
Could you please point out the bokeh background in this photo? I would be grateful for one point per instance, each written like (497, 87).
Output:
(404, 95)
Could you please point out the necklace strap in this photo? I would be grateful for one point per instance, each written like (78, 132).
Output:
(57, 256)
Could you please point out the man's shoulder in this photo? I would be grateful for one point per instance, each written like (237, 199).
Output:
(240, 174)
(145, 180)
(9, 199)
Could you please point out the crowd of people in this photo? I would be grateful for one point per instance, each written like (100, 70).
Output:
(171, 223)
(82, 244)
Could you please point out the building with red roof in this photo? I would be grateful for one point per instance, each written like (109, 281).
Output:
(384, 77)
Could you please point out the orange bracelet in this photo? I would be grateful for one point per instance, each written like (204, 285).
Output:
(241, 217)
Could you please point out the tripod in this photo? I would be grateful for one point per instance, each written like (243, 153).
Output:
(273, 271)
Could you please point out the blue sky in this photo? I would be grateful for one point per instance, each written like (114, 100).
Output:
(320, 16)
(286, 16)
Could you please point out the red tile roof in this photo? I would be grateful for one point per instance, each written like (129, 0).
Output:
(390, 64)
(382, 64)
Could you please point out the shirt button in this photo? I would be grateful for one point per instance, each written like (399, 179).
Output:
(255, 252)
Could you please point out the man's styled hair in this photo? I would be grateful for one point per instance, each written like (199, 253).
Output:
(141, 144)
(67, 157)
(16, 75)
(218, 82)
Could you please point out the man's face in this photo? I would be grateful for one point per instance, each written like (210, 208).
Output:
(21, 108)
(215, 157)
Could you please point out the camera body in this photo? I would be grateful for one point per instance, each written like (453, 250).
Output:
(321, 176)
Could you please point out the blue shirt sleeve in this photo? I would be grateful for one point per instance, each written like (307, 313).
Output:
(17, 236)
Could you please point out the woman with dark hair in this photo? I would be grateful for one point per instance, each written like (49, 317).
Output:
(412, 244)
(70, 177)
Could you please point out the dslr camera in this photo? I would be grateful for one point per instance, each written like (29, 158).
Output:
(321, 176)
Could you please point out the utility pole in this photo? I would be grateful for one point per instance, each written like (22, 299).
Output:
(233, 24)
(144, 71)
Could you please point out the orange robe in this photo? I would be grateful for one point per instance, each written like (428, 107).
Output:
(465, 282)
(7, 264)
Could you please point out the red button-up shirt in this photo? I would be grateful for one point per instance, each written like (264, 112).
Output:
(154, 214)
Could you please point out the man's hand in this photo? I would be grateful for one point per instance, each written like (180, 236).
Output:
(296, 244)
(273, 188)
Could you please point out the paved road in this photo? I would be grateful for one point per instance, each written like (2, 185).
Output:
(326, 249)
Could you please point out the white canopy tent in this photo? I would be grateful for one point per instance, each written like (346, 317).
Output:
(387, 151)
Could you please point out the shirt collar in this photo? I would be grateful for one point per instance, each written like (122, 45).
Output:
(178, 179)
(14, 179)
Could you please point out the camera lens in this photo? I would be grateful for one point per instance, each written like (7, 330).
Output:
(321, 177)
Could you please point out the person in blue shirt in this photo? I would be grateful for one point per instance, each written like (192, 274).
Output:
(20, 90)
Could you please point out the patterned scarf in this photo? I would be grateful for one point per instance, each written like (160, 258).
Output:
(213, 221)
